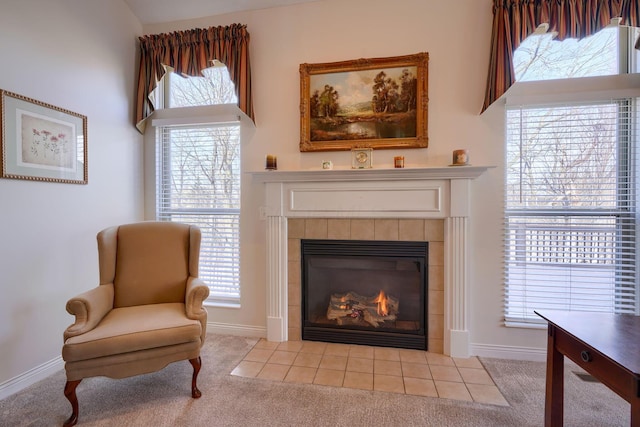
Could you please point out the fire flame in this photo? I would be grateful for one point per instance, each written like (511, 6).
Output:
(344, 300)
(381, 300)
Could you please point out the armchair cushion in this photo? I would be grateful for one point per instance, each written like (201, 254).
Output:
(129, 329)
(141, 250)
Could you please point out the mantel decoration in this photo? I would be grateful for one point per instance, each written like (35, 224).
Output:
(377, 103)
(460, 158)
(41, 142)
(271, 162)
(361, 158)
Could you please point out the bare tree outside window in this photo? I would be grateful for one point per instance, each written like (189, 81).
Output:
(200, 178)
(570, 198)
(214, 87)
(541, 57)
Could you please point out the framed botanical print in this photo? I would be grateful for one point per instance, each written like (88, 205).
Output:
(42, 142)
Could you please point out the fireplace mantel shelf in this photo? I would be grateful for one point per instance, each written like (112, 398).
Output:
(417, 173)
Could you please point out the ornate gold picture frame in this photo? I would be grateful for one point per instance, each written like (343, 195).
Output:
(376, 103)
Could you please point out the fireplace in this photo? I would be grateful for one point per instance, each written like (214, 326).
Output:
(365, 292)
(311, 199)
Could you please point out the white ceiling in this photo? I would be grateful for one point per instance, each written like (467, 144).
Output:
(157, 11)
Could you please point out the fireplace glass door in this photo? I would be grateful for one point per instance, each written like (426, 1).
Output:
(365, 292)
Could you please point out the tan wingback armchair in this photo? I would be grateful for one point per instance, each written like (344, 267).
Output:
(147, 311)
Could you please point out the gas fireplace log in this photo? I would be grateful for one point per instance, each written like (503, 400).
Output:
(351, 308)
(353, 317)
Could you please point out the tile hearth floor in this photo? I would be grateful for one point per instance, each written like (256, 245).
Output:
(414, 372)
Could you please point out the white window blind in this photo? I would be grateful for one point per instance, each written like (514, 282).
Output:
(198, 169)
(570, 209)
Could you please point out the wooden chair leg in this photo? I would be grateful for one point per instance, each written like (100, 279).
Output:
(70, 391)
(70, 394)
(196, 363)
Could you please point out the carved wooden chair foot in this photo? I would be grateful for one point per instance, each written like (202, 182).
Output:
(70, 394)
(196, 363)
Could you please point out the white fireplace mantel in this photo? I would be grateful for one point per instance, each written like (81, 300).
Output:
(428, 193)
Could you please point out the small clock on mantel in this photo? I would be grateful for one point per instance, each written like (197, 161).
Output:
(361, 158)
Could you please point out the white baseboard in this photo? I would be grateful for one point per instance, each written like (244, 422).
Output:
(509, 352)
(238, 330)
(30, 377)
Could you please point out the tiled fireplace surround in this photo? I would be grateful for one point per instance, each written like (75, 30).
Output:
(430, 230)
(425, 204)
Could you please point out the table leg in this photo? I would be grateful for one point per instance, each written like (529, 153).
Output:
(554, 396)
(635, 413)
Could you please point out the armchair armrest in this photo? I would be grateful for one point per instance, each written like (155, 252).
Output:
(89, 308)
(195, 295)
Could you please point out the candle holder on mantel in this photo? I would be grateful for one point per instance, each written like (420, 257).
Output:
(460, 158)
(272, 163)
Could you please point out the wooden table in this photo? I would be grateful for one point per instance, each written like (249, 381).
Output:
(605, 345)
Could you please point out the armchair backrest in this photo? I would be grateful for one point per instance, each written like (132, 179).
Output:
(148, 262)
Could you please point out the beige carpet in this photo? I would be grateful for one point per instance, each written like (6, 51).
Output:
(163, 399)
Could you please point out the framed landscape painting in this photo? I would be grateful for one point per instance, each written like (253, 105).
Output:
(41, 142)
(375, 103)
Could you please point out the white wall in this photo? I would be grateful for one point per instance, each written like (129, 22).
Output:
(80, 56)
(457, 36)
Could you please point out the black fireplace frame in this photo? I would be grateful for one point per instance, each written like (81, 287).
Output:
(414, 250)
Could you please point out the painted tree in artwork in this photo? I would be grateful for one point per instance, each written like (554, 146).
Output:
(385, 93)
(328, 102)
(408, 91)
(314, 104)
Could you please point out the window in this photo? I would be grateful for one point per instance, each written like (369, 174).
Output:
(570, 206)
(214, 87)
(198, 175)
(606, 53)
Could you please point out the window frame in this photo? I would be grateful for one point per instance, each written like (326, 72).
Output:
(557, 92)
